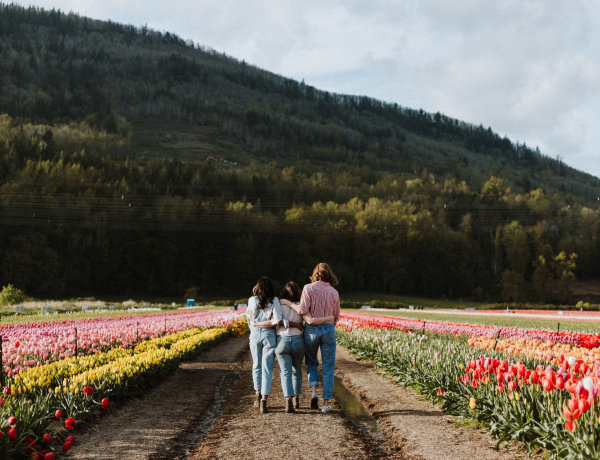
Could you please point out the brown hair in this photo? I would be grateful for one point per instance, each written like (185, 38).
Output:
(291, 291)
(264, 291)
(323, 272)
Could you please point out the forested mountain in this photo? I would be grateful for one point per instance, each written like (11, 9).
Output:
(134, 161)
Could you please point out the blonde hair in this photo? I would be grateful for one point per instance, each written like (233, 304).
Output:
(323, 272)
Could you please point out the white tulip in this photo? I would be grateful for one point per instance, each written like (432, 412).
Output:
(571, 360)
(588, 383)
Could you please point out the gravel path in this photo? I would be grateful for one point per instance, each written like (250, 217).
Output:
(416, 427)
(144, 427)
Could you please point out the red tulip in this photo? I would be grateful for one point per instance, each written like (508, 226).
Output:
(547, 385)
(573, 404)
(500, 388)
(58, 414)
(535, 378)
(46, 438)
(66, 446)
(560, 383)
(105, 402)
(88, 391)
(12, 421)
(7, 391)
(574, 415)
(440, 392)
(70, 423)
(49, 456)
(584, 405)
(571, 426)
(512, 385)
(12, 434)
(70, 439)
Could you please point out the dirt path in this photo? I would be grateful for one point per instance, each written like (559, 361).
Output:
(154, 424)
(308, 434)
(416, 427)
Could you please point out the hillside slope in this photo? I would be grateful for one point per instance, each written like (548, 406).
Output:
(60, 68)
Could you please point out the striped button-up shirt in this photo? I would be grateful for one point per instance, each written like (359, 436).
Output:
(320, 299)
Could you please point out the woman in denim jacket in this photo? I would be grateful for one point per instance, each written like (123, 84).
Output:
(290, 345)
(263, 314)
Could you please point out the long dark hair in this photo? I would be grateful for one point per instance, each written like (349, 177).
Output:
(291, 291)
(264, 291)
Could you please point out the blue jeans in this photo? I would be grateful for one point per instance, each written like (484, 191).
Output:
(322, 336)
(262, 347)
(290, 354)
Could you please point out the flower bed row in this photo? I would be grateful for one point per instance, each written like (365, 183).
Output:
(520, 396)
(350, 320)
(65, 390)
(34, 344)
(542, 349)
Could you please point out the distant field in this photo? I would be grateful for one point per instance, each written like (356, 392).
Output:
(416, 301)
(509, 321)
(10, 318)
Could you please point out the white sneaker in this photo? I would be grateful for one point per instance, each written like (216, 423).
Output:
(325, 409)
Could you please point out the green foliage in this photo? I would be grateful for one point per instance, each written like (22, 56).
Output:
(373, 304)
(277, 177)
(10, 295)
(565, 272)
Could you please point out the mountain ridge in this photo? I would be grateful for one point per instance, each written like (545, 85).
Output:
(110, 71)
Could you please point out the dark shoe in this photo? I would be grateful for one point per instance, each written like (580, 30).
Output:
(289, 406)
(263, 406)
(257, 400)
(314, 403)
(296, 400)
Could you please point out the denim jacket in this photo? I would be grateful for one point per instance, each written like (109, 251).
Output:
(271, 312)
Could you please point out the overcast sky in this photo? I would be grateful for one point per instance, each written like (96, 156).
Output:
(529, 69)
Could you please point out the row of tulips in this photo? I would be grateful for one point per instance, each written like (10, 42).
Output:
(350, 320)
(35, 344)
(553, 405)
(41, 397)
(543, 349)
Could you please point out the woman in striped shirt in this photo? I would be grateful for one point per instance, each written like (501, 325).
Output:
(290, 345)
(320, 299)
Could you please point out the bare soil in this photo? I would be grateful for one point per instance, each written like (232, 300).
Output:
(243, 432)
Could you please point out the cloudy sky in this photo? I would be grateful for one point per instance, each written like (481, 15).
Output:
(529, 69)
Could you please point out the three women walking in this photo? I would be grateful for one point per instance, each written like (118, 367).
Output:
(277, 329)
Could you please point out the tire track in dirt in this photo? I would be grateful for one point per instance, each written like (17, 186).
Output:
(419, 429)
(153, 424)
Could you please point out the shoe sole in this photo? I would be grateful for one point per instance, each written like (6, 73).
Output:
(314, 403)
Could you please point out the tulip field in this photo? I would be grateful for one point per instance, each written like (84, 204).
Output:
(56, 372)
(537, 387)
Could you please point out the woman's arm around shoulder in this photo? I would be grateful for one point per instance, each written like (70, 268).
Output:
(316, 321)
(292, 305)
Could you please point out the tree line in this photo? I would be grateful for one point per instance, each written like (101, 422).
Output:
(80, 216)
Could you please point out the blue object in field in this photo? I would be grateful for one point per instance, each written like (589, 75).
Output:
(191, 302)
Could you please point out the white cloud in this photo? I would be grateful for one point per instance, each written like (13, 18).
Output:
(530, 70)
